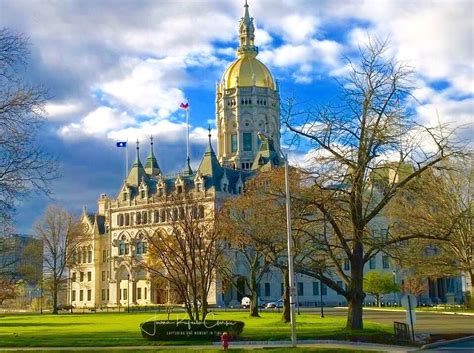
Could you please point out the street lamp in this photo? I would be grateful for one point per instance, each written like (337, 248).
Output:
(128, 293)
(394, 285)
(289, 239)
(321, 282)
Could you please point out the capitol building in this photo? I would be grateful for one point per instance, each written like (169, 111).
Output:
(107, 269)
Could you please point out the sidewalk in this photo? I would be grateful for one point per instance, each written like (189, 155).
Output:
(242, 345)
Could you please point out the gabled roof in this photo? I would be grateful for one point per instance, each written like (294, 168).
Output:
(266, 157)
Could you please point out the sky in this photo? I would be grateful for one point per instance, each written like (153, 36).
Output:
(119, 69)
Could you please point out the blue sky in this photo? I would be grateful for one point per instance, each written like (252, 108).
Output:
(119, 69)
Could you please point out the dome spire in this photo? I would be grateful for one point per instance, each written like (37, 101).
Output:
(246, 35)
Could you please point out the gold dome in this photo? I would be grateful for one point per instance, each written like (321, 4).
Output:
(247, 71)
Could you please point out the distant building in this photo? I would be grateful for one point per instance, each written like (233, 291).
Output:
(15, 260)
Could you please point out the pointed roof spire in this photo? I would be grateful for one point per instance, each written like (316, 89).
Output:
(246, 12)
(136, 172)
(137, 158)
(209, 134)
(151, 165)
(247, 35)
(209, 164)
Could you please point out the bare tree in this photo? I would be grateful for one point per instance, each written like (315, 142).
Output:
(8, 289)
(23, 165)
(251, 222)
(186, 252)
(368, 136)
(61, 234)
(440, 204)
(415, 285)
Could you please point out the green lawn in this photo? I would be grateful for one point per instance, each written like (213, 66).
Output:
(122, 329)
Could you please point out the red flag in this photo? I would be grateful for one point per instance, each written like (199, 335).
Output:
(184, 105)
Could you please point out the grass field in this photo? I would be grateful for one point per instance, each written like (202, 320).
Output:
(114, 329)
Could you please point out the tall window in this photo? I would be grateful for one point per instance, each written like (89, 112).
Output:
(385, 263)
(139, 293)
(81, 295)
(89, 276)
(124, 294)
(73, 296)
(127, 219)
(103, 294)
(89, 256)
(315, 288)
(81, 275)
(347, 265)
(73, 277)
(103, 275)
(121, 248)
(139, 218)
(233, 143)
(247, 137)
(267, 289)
(372, 263)
(104, 256)
(300, 288)
(324, 289)
(89, 294)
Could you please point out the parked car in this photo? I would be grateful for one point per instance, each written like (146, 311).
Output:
(275, 305)
(245, 303)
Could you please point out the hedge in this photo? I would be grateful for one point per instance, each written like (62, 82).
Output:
(167, 330)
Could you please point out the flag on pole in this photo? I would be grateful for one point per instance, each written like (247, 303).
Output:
(184, 105)
(121, 144)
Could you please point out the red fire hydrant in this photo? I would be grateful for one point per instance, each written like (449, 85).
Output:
(225, 340)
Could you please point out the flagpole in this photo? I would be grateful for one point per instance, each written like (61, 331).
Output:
(126, 159)
(187, 135)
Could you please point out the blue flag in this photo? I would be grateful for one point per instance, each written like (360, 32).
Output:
(121, 144)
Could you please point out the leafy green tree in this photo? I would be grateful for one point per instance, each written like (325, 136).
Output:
(378, 283)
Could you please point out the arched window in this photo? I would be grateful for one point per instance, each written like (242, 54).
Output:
(201, 212)
(163, 216)
(139, 217)
(127, 219)
(84, 256)
(144, 217)
(174, 214)
(179, 189)
(89, 256)
(120, 220)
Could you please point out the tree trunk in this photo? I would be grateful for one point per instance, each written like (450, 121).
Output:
(286, 297)
(470, 294)
(356, 293)
(203, 310)
(254, 295)
(55, 298)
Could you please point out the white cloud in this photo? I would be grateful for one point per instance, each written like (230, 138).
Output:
(150, 87)
(96, 123)
(62, 110)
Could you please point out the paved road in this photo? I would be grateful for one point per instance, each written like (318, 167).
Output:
(456, 346)
(425, 322)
